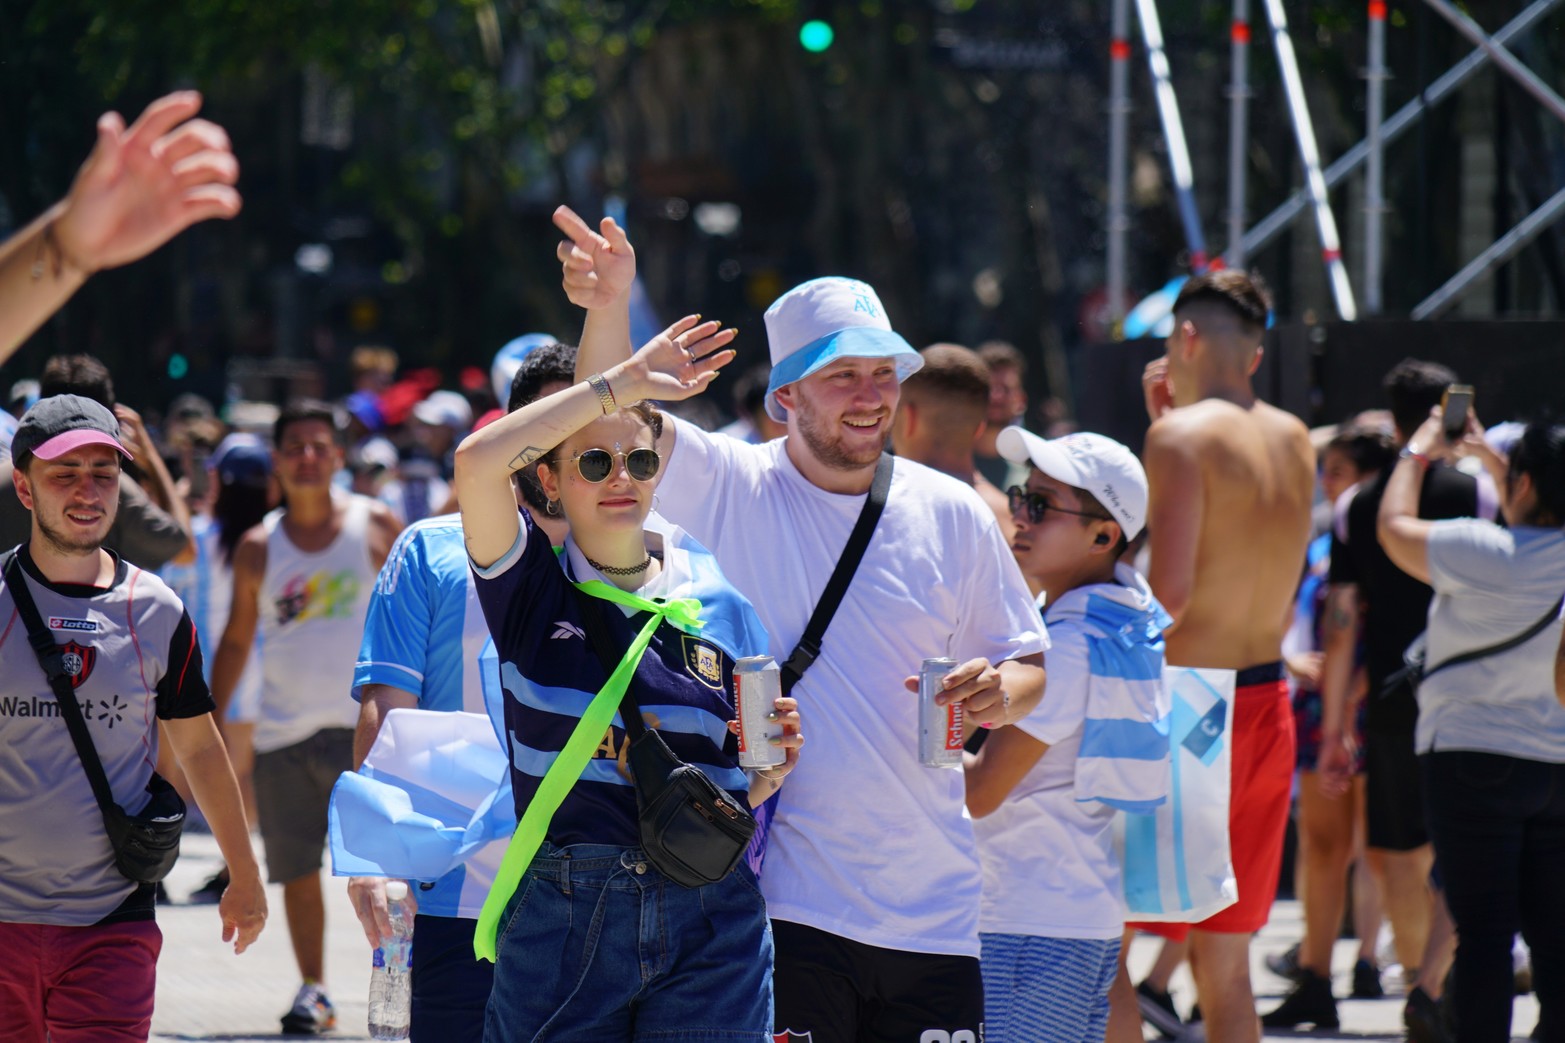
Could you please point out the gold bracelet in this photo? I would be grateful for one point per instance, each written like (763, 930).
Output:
(770, 778)
(606, 400)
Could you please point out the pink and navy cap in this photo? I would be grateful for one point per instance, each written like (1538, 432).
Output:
(61, 424)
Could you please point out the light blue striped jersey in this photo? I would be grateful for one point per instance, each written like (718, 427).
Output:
(425, 634)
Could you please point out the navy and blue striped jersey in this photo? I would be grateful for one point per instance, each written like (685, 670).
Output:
(550, 674)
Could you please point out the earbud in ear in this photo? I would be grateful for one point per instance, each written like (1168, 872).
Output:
(1103, 537)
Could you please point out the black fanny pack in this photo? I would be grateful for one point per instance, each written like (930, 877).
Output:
(146, 844)
(691, 829)
(1414, 672)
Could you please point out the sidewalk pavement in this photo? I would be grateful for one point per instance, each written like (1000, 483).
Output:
(205, 992)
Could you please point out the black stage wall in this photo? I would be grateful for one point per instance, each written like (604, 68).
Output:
(1325, 373)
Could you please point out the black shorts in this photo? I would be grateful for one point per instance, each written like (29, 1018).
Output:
(1393, 792)
(831, 990)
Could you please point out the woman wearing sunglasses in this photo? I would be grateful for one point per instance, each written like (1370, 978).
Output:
(594, 943)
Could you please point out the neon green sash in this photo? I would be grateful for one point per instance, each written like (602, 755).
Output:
(572, 760)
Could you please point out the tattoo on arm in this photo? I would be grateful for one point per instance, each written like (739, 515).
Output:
(525, 457)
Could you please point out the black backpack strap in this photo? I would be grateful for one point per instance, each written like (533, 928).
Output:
(1504, 646)
(52, 660)
(809, 647)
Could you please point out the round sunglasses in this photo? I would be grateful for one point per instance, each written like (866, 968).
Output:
(1038, 505)
(595, 465)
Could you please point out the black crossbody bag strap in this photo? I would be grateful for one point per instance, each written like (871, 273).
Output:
(1504, 646)
(809, 647)
(53, 662)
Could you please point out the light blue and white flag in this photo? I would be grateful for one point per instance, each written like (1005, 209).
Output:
(1177, 866)
(433, 793)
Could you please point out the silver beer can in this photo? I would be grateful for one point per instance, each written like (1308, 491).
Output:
(757, 687)
(939, 727)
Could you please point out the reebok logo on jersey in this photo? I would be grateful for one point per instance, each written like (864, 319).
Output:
(563, 630)
(61, 623)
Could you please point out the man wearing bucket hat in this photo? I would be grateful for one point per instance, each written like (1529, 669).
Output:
(870, 878)
(79, 938)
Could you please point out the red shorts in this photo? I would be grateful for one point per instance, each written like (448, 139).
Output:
(1261, 787)
(78, 984)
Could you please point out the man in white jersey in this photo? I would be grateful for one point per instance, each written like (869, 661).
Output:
(303, 576)
(871, 877)
(423, 642)
(78, 942)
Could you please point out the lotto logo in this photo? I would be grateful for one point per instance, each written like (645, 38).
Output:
(959, 1036)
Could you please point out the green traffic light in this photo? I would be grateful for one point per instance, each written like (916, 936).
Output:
(815, 36)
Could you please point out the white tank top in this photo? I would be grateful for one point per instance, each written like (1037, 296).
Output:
(312, 619)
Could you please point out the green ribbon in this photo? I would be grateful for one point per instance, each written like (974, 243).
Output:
(684, 613)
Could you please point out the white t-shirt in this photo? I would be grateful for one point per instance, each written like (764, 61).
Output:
(1492, 584)
(1049, 864)
(867, 843)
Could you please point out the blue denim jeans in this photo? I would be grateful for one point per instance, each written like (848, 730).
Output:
(597, 946)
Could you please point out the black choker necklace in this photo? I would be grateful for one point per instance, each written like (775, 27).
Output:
(612, 570)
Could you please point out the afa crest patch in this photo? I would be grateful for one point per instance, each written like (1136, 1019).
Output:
(704, 662)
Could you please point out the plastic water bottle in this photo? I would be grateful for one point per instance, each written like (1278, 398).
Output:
(391, 978)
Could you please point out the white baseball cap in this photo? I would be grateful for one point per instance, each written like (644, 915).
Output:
(1101, 466)
(445, 408)
(823, 320)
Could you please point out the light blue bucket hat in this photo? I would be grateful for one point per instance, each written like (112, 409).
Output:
(823, 320)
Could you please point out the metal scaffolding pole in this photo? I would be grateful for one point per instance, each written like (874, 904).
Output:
(1304, 132)
(1502, 250)
(1173, 132)
(1238, 129)
(1501, 57)
(1119, 158)
(1270, 226)
(1374, 170)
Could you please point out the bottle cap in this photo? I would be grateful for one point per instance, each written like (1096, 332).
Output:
(396, 890)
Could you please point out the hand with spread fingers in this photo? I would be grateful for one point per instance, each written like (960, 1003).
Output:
(143, 185)
(680, 362)
(140, 187)
(599, 266)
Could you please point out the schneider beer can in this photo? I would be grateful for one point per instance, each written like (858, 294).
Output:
(757, 686)
(939, 727)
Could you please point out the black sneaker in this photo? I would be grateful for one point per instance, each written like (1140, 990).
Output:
(1424, 1020)
(1285, 964)
(1157, 1010)
(1310, 1003)
(211, 892)
(1366, 981)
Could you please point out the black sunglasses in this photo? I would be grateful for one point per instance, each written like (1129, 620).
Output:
(1038, 505)
(596, 465)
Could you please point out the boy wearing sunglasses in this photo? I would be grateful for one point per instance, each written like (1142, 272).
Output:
(1043, 791)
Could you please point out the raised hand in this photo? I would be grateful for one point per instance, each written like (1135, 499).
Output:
(142, 186)
(1157, 388)
(599, 268)
(681, 361)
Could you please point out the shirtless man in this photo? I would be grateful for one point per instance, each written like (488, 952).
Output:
(1231, 481)
(942, 414)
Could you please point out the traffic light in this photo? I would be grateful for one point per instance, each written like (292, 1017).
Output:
(816, 35)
